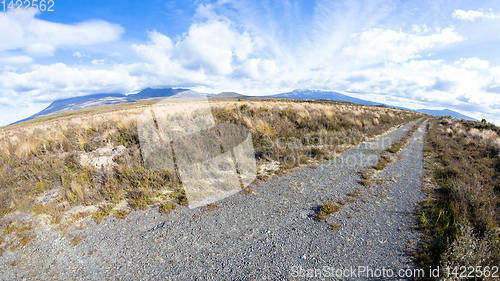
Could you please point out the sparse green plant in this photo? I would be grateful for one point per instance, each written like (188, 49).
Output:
(325, 210)
(366, 183)
(103, 212)
(120, 214)
(355, 193)
(27, 239)
(335, 226)
(77, 239)
(167, 208)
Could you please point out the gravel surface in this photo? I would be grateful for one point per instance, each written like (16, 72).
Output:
(268, 234)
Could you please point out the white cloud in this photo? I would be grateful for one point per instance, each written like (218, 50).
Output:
(381, 45)
(45, 83)
(259, 69)
(473, 63)
(98, 62)
(212, 47)
(472, 15)
(16, 60)
(215, 53)
(40, 37)
(40, 49)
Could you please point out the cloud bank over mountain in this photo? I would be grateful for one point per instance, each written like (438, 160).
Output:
(417, 55)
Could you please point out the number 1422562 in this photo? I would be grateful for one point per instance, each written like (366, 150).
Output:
(27, 5)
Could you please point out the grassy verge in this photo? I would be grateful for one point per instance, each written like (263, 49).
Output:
(460, 217)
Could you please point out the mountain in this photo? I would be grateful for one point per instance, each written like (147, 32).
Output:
(149, 93)
(336, 96)
(96, 100)
(322, 95)
(228, 95)
(445, 112)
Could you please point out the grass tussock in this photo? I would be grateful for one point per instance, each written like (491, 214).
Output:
(367, 183)
(460, 219)
(325, 210)
(167, 208)
(41, 171)
(211, 207)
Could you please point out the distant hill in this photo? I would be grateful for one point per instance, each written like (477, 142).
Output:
(323, 95)
(336, 96)
(96, 100)
(228, 95)
(445, 112)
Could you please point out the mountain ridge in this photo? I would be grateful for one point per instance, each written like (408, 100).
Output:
(96, 100)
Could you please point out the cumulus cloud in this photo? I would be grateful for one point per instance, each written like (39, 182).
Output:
(45, 83)
(381, 45)
(259, 69)
(473, 63)
(211, 47)
(40, 37)
(472, 15)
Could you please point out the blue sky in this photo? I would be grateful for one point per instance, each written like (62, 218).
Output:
(417, 54)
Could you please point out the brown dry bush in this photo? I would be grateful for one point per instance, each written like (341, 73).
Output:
(463, 212)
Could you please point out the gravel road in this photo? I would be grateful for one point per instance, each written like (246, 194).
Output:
(268, 234)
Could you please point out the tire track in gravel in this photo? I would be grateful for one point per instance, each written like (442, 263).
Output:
(268, 234)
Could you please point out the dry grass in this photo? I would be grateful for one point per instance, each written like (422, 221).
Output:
(42, 156)
(461, 216)
(211, 207)
(295, 132)
(167, 208)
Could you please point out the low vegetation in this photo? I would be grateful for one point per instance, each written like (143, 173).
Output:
(325, 210)
(460, 218)
(42, 172)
